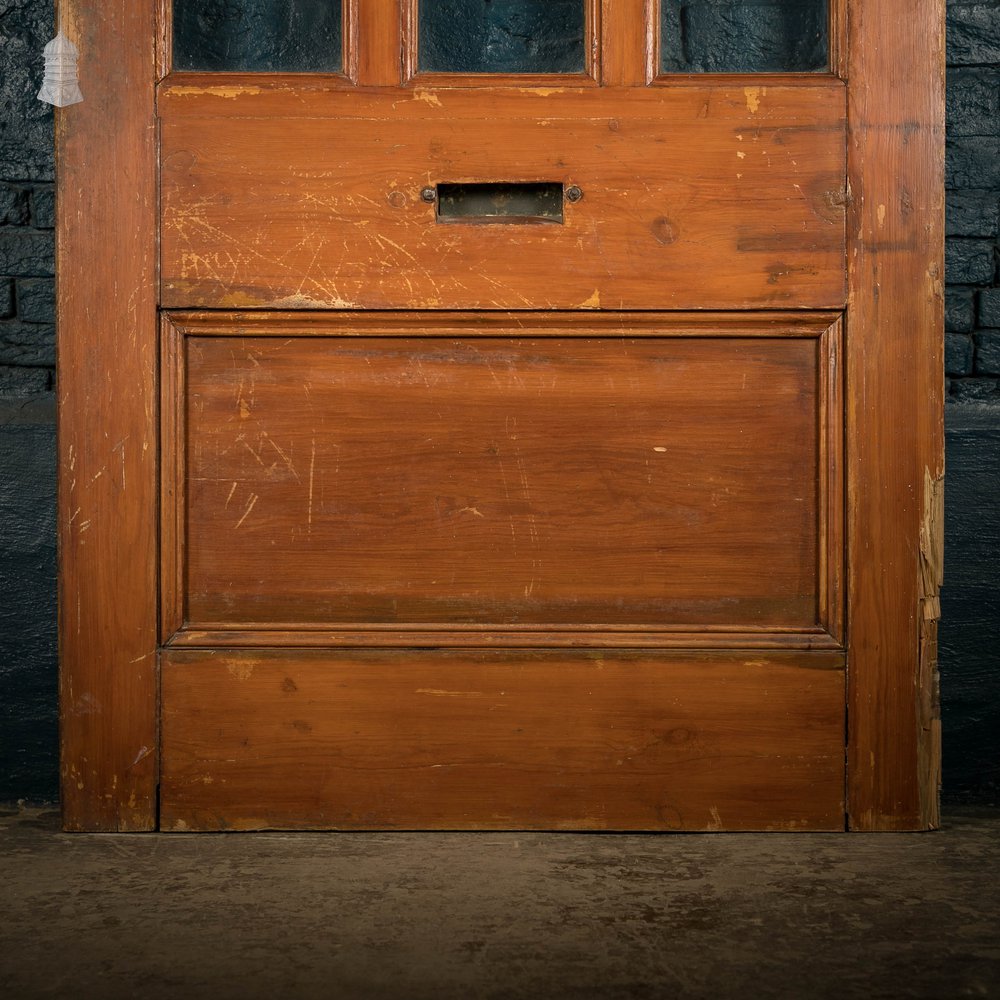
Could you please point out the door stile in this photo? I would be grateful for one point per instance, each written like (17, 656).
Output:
(107, 504)
(895, 407)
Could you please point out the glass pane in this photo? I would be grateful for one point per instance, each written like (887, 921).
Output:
(265, 36)
(502, 36)
(743, 36)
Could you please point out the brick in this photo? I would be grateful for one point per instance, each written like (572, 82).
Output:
(36, 300)
(972, 213)
(988, 354)
(972, 162)
(43, 207)
(973, 102)
(969, 262)
(959, 310)
(19, 382)
(26, 152)
(973, 33)
(989, 307)
(27, 253)
(975, 390)
(13, 205)
(958, 354)
(6, 298)
(31, 344)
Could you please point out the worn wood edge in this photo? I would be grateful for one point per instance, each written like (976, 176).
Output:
(832, 564)
(606, 323)
(829, 659)
(929, 678)
(106, 420)
(352, 637)
(173, 372)
(185, 94)
(908, 136)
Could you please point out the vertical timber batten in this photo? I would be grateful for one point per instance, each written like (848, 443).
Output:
(895, 405)
(106, 257)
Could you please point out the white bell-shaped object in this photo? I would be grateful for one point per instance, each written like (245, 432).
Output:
(61, 85)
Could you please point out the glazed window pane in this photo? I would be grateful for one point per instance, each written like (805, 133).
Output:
(502, 36)
(258, 36)
(743, 36)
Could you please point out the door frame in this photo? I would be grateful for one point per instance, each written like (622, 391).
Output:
(108, 506)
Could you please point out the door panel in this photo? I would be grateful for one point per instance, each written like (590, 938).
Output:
(722, 197)
(530, 510)
(549, 474)
(512, 740)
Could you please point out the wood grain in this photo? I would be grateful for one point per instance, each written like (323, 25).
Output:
(721, 197)
(895, 413)
(378, 42)
(621, 484)
(106, 261)
(465, 741)
(627, 28)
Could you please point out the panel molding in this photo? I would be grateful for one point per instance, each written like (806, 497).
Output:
(179, 630)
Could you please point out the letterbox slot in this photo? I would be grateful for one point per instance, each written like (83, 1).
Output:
(515, 203)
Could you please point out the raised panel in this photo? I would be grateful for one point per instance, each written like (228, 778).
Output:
(692, 197)
(640, 474)
(513, 740)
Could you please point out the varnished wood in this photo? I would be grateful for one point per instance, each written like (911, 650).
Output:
(307, 635)
(553, 484)
(719, 197)
(894, 430)
(626, 36)
(303, 192)
(379, 43)
(437, 740)
(106, 260)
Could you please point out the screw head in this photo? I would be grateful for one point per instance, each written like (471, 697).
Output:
(573, 194)
(429, 195)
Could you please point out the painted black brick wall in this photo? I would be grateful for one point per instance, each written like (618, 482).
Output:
(971, 628)
(973, 182)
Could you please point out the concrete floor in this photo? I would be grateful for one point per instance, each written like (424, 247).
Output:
(499, 916)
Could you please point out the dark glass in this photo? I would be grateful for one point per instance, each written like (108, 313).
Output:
(259, 36)
(744, 36)
(502, 36)
(516, 202)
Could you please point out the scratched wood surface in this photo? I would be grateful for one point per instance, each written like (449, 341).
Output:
(895, 413)
(480, 740)
(721, 196)
(727, 193)
(515, 477)
(107, 422)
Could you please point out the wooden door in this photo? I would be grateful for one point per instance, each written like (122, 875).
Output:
(556, 447)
